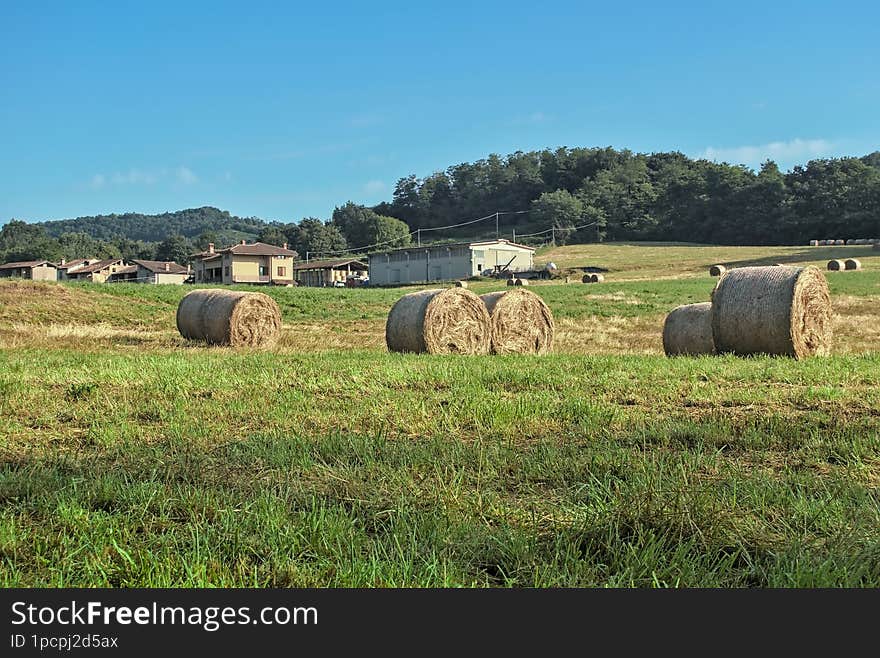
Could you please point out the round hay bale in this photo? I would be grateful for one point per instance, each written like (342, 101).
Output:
(521, 322)
(450, 321)
(852, 264)
(836, 265)
(461, 284)
(717, 270)
(772, 310)
(511, 282)
(596, 278)
(822, 243)
(839, 243)
(814, 243)
(850, 242)
(586, 278)
(688, 330)
(521, 282)
(229, 317)
(876, 245)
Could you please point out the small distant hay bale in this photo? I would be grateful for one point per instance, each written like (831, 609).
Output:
(717, 270)
(814, 243)
(876, 245)
(861, 241)
(782, 311)
(229, 317)
(586, 278)
(521, 322)
(850, 242)
(595, 277)
(836, 265)
(521, 282)
(439, 321)
(461, 284)
(839, 243)
(687, 330)
(511, 282)
(822, 243)
(852, 264)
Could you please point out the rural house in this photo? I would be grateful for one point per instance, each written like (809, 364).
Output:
(154, 271)
(38, 270)
(65, 267)
(440, 262)
(245, 263)
(97, 272)
(328, 272)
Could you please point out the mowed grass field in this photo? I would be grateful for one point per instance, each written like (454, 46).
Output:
(129, 457)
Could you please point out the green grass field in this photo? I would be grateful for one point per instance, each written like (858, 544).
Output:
(129, 457)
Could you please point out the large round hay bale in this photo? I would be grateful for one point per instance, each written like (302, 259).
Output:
(814, 243)
(450, 321)
(521, 282)
(521, 322)
(229, 317)
(772, 310)
(688, 330)
(511, 282)
(461, 284)
(852, 264)
(839, 243)
(836, 265)
(717, 270)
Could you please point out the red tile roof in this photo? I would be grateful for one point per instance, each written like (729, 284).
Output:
(25, 263)
(327, 264)
(97, 267)
(158, 266)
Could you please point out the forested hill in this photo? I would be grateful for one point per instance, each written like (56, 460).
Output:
(154, 228)
(657, 196)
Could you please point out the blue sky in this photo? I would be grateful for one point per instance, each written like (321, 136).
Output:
(285, 112)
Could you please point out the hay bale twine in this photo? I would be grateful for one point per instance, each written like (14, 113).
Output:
(717, 270)
(511, 282)
(461, 284)
(439, 321)
(836, 265)
(814, 243)
(229, 317)
(688, 330)
(521, 322)
(521, 282)
(852, 264)
(772, 310)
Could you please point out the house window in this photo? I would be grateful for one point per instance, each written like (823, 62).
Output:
(264, 270)
(282, 271)
(227, 270)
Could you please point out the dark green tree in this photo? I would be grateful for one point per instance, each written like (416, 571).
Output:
(560, 210)
(175, 248)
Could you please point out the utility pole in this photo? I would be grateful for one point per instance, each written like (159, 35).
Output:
(553, 233)
(514, 235)
(497, 234)
(419, 236)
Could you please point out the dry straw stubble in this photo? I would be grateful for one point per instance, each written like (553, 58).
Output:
(439, 321)
(687, 330)
(229, 317)
(521, 322)
(772, 310)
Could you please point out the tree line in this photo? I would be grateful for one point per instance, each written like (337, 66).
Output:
(617, 194)
(659, 196)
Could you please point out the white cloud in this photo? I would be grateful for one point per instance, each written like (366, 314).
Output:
(182, 175)
(785, 153)
(531, 119)
(375, 187)
(186, 176)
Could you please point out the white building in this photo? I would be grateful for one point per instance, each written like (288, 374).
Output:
(442, 262)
